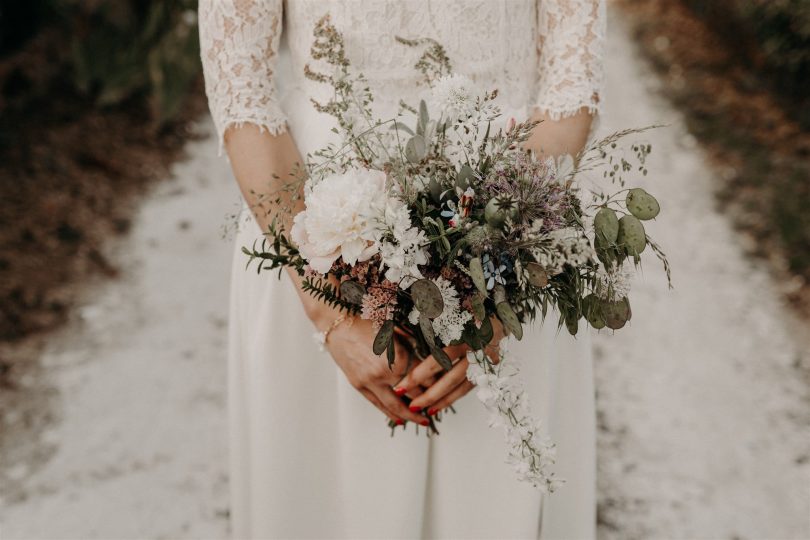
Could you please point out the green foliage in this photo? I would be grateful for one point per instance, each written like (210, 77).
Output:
(772, 34)
(125, 48)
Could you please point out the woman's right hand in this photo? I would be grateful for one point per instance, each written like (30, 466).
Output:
(350, 344)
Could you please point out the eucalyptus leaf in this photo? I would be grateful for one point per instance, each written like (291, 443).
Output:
(478, 307)
(572, 322)
(509, 319)
(442, 358)
(416, 149)
(426, 326)
(477, 274)
(486, 332)
(352, 291)
(435, 189)
(499, 294)
(383, 338)
(465, 174)
(427, 298)
(471, 337)
(400, 126)
(391, 354)
(424, 119)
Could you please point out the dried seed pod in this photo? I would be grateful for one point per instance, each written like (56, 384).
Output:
(641, 204)
(632, 236)
(617, 313)
(606, 225)
(536, 274)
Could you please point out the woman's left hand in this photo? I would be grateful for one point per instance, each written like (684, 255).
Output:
(436, 394)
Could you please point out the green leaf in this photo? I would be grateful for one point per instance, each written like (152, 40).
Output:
(427, 298)
(352, 291)
(478, 307)
(391, 356)
(477, 274)
(442, 358)
(416, 149)
(464, 176)
(509, 319)
(400, 126)
(426, 326)
(424, 119)
(486, 332)
(384, 338)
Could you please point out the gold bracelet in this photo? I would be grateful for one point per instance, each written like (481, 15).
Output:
(321, 337)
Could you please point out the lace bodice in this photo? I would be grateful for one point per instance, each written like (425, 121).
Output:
(543, 53)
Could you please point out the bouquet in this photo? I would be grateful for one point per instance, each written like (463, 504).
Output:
(433, 223)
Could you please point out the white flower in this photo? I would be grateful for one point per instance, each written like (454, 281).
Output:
(450, 324)
(564, 246)
(497, 387)
(455, 96)
(613, 284)
(402, 246)
(340, 218)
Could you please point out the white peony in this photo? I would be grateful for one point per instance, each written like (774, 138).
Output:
(340, 218)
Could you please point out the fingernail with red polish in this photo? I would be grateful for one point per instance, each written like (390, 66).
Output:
(414, 408)
(400, 421)
(431, 412)
(400, 391)
(425, 422)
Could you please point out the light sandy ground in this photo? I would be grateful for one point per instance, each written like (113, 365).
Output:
(704, 402)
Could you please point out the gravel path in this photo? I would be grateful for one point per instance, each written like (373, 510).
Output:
(704, 402)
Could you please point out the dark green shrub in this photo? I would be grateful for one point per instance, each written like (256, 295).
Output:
(773, 35)
(127, 48)
(108, 51)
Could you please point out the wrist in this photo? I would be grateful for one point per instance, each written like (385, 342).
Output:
(342, 320)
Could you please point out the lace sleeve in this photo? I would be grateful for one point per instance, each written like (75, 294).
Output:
(238, 43)
(570, 40)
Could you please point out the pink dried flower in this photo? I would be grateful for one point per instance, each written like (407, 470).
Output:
(379, 303)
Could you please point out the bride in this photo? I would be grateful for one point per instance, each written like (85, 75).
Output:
(310, 452)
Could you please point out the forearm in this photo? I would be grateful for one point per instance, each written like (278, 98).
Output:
(553, 138)
(266, 168)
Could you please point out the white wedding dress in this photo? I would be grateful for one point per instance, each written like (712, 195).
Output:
(310, 457)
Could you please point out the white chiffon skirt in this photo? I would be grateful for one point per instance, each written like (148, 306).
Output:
(311, 458)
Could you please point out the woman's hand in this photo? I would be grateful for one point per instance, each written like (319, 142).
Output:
(351, 347)
(440, 393)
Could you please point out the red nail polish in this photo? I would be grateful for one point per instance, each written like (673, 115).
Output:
(400, 391)
(400, 421)
(431, 412)
(414, 408)
(425, 423)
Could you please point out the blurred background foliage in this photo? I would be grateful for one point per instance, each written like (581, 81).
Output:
(773, 36)
(97, 99)
(740, 72)
(111, 51)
